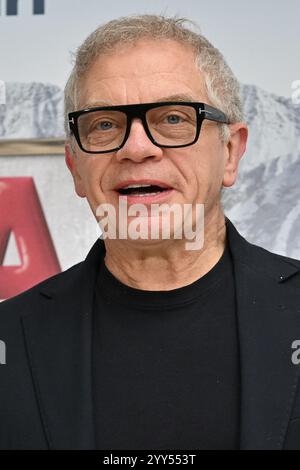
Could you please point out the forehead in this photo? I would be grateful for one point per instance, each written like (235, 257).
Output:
(144, 72)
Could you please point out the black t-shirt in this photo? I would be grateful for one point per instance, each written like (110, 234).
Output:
(166, 364)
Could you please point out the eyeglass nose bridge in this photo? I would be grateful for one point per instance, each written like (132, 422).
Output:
(137, 112)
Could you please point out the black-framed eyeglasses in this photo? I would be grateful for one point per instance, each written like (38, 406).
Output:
(170, 124)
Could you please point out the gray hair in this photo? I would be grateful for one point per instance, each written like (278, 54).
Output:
(222, 87)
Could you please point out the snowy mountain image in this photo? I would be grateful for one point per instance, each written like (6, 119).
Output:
(264, 203)
(265, 200)
(32, 110)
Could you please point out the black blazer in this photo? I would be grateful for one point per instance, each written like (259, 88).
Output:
(45, 385)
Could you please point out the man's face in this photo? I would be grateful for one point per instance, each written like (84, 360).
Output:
(148, 72)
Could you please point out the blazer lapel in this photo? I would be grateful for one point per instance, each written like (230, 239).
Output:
(58, 337)
(268, 311)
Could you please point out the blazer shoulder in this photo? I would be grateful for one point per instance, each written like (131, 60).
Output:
(278, 266)
(14, 306)
(274, 256)
(64, 284)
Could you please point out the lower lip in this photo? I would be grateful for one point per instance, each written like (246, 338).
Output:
(155, 198)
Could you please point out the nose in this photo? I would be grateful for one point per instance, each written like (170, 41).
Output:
(138, 146)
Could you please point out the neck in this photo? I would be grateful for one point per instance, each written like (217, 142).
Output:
(166, 265)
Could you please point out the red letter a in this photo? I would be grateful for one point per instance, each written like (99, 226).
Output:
(21, 214)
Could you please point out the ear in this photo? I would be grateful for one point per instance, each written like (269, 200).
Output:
(72, 162)
(236, 147)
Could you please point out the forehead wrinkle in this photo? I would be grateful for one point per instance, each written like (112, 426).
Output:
(105, 82)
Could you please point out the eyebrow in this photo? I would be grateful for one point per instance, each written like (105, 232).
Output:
(177, 97)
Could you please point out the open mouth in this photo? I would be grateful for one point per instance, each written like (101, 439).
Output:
(142, 190)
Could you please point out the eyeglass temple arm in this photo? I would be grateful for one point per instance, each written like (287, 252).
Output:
(213, 114)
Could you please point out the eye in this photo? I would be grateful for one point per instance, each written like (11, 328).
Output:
(173, 119)
(103, 125)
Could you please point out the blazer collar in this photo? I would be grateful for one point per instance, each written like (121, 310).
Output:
(58, 334)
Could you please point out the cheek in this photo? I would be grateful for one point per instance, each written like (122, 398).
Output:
(198, 170)
(93, 173)
(211, 155)
(204, 173)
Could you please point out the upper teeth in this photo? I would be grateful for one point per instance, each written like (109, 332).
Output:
(137, 186)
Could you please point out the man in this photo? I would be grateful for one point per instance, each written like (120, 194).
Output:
(151, 343)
